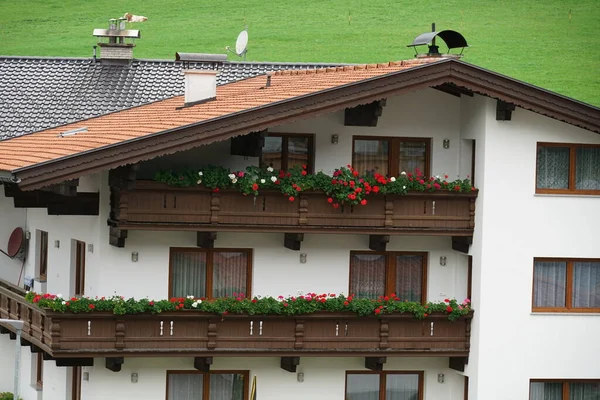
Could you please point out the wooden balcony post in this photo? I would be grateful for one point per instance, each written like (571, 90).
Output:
(303, 210)
(299, 335)
(384, 330)
(212, 334)
(389, 212)
(215, 207)
(120, 334)
(55, 334)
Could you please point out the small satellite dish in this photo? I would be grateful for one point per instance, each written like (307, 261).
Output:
(241, 43)
(16, 244)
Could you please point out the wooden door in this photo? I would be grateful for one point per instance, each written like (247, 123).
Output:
(79, 268)
(76, 383)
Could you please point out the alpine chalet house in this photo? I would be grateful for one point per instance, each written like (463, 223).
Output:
(411, 230)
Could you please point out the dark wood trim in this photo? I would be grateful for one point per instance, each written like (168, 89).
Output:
(470, 278)
(206, 380)
(375, 363)
(382, 381)
(378, 242)
(75, 362)
(466, 388)
(568, 287)
(572, 169)
(39, 370)
(76, 383)
(565, 384)
(79, 289)
(293, 241)
(454, 90)
(42, 247)
(364, 114)
(457, 363)
(290, 364)
(206, 240)
(56, 204)
(390, 262)
(473, 159)
(457, 72)
(504, 110)
(209, 264)
(462, 243)
(114, 364)
(203, 363)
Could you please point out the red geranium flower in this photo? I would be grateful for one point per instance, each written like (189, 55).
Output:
(91, 306)
(363, 202)
(303, 166)
(291, 198)
(449, 309)
(346, 303)
(304, 173)
(336, 205)
(375, 189)
(377, 311)
(216, 190)
(330, 200)
(255, 187)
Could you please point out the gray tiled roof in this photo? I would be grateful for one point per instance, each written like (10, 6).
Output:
(41, 92)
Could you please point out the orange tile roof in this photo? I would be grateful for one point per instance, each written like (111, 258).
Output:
(134, 123)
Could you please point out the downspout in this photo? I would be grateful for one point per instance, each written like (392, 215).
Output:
(9, 177)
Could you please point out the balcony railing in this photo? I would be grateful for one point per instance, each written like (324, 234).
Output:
(184, 333)
(153, 205)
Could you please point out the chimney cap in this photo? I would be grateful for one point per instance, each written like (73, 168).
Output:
(452, 39)
(200, 57)
(128, 33)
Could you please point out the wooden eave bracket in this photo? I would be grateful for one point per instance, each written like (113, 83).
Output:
(74, 362)
(364, 114)
(462, 243)
(504, 110)
(458, 363)
(290, 363)
(66, 188)
(203, 363)
(206, 240)
(56, 204)
(114, 363)
(249, 145)
(375, 363)
(454, 90)
(378, 242)
(116, 236)
(123, 177)
(293, 241)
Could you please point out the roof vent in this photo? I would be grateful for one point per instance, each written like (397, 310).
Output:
(453, 40)
(117, 48)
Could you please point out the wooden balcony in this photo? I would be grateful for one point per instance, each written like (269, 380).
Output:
(188, 333)
(153, 205)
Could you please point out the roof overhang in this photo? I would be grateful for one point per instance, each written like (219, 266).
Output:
(459, 73)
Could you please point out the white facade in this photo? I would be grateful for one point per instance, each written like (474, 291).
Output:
(509, 344)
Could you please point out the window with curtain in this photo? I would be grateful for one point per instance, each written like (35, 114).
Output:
(209, 273)
(564, 389)
(284, 151)
(571, 285)
(215, 385)
(389, 156)
(42, 249)
(378, 274)
(568, 168)
(385, 385)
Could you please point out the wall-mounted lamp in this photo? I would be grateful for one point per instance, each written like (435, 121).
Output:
(134, 256)
(303, 258)
(57, 244)
(440, 378)
(300, 376)
(446, 143)
(134, 377)
(335, 139)
(85, 376)
(90, 248)
(443, 261)
(27, 235)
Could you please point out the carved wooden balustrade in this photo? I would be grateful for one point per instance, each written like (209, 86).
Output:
(153, 205)
(98, 334)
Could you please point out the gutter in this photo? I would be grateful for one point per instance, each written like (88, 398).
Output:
(8, 177)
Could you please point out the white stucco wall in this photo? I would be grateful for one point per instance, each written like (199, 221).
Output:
(513, 225)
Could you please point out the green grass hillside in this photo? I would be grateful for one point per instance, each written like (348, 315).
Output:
(550, 43)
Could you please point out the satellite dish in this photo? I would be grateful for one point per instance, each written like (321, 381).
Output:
(15, 244)
(241, 43)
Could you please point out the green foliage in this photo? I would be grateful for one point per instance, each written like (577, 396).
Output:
(548, 43)
(240, 304)
(345, 187)
(8, 396)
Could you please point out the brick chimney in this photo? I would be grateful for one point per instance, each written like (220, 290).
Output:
(200, 86)
(117, 50)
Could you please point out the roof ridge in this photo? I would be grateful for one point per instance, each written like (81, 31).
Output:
(356, 67)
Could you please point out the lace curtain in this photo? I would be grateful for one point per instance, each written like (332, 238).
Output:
(409, 277)
(230, 273)
(587, 168)
(371, 156)
(584, 391)
(549, 284)
(586, 284)
(189, 273)
(412, 155)
(553, 168)
(185, 386)
(226, 387)
(368, 275)
(545, 391)
(401, 387)
(362, 387)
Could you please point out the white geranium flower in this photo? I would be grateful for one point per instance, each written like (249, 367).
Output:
(403, 187)
(403, 173)
(273, 179)
(190, 297)
(195, 304)
(199, 181)
(270, 169)
(64, 303)
(392, 179)
(232, 176)
(262, 181)
(234, 180)
(437, 177)
(200, 173)
(60, 296)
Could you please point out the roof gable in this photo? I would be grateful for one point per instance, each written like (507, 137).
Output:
(164, 127)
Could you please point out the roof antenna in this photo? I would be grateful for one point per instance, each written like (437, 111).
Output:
(433, 49)
(95, 58)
